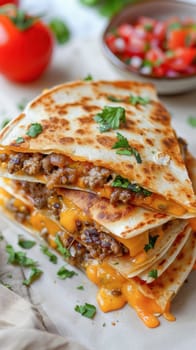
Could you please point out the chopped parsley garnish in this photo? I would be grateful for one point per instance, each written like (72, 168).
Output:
(192, 121)
(4, 123)
(110, 118)
(64, 273)
(89, 77)
(60, 30)
(34, 130)
(25, 244)
(20, 139)
(52, 257)
(151, 243)
(34, 275)
(80, 287)
(125, 148)
(61, 249)
(19, 258)
(87, 310)
(138, 100)
(114, 99)
(124, 183)
(153, 274)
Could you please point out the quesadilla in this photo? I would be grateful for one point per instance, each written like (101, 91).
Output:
(111, 138)
(133, 263)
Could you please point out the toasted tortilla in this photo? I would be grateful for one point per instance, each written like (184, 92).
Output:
(162, 264)
(148, 300)
(82, 211)
(66, 114)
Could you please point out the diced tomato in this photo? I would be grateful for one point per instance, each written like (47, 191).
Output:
(159, 30)
(160, 71)
(125, 31)
(110, 41)
(177, 38)
(136, 45)
(140, 31)
(155, 54)
(168, 48)
(146, 21)
(183, 58)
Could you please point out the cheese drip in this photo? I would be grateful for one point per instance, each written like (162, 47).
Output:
(115, 291)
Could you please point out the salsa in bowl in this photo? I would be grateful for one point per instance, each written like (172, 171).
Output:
(155, 41)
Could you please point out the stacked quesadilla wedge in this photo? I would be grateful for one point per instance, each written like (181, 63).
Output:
(95, 169)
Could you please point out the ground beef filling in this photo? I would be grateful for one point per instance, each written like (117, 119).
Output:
(60, 171)
(41, 196)
(99, 243)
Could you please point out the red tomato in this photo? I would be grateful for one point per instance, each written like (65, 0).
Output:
(110, 41)
(159, 30)
(125, 31)
(177, 38)
(24, 54)
(183, 58)
(4, 2)
(136, 45)
(155, 54)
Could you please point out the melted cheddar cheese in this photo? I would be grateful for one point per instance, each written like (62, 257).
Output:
(115, 291)
(69, 216)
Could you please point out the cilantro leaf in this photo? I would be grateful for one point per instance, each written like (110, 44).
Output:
(80, 287)
(52, 257)
(110, 118)
(34, 130)
(151, 243)
(126, 148)
(114, 99)
(60, 30)
(4, 123)
(138, 100)
(20, 139)
(19, 258)
(64, 273)
(34, 275)
(124, 183)
(88, 78)
(192, 121)
(153, 274)
(122, 141)
(25, 244)
(61, 249)
(87, 310)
